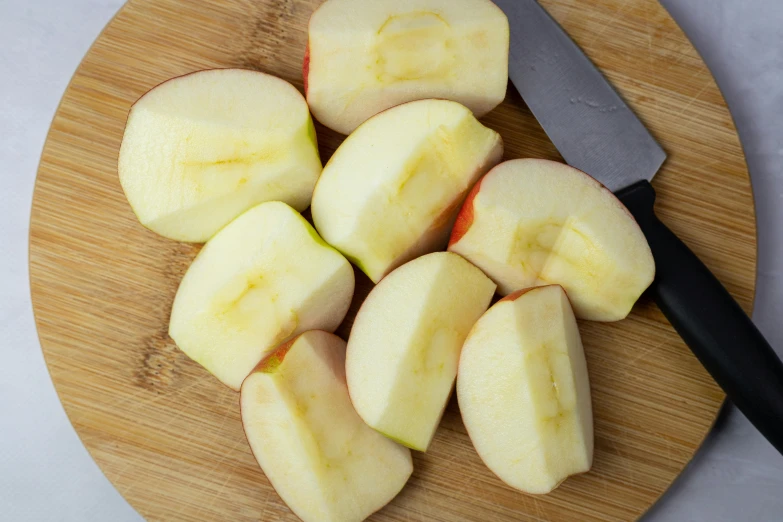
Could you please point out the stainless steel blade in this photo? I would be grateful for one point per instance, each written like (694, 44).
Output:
(583, 115)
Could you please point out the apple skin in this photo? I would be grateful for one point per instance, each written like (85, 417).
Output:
(623, 284)
(513, 296)
(474, 354)
(306, 68)
(270, 365)
(466, 214)
(273, 361)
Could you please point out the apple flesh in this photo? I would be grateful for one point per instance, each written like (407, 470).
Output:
(365, 57)
(524, 393)
(324, 462)
(405, 344)
(392, 190)
(263, 279)
(201, 149)
(535, 222)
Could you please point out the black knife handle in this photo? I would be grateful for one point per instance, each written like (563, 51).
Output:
(710, 321)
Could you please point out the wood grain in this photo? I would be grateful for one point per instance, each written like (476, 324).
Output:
(169, 436)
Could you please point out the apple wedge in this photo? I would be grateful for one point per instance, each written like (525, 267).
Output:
(365, 57)
(392, 190)
(524, 393)
(405, 344)
(535, 222)
(201, 149)
(324, 462)
(260, 281)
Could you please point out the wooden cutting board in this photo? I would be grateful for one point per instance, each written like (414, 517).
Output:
(168, 435)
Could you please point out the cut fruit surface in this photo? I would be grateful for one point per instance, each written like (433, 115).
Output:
(263, 279)
(200, 149)
(365, 57)
(524, 392)
(405, 344)
(322, 459)
(535, 222)
(392, 190)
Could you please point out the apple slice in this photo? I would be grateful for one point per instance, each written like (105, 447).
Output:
(535, 222)
(523, 391)
(201, 149)
(405, 343)
(364, 57)
(392, 190)
(263, 279)
(324, 462)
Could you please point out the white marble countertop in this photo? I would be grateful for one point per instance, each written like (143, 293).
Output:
(45, 472)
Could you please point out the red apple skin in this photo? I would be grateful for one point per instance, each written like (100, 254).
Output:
(272, 362)
(280, 354)
(306, 67)
(466, 214)
(306, 62)
(513, 296)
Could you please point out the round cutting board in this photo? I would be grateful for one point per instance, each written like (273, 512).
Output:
(169, 436)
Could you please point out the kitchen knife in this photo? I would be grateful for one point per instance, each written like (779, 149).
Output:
(596, 132)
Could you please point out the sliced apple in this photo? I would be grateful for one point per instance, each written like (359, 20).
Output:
(201, 149)
(324, 462)
(263, 279)
(392, 190)
(405, 343)
(535, 222)
(524, 392)
(364, 57)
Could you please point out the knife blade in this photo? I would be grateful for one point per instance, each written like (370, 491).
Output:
(596, 132)
(582, 114)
